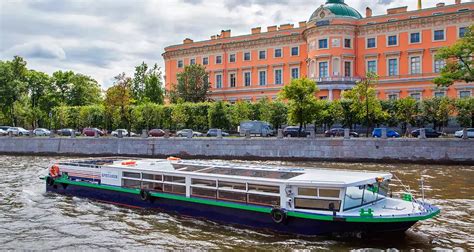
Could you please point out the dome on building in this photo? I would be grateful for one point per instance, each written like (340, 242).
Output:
(337, 8)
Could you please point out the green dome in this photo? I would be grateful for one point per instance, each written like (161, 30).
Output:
(338, 8)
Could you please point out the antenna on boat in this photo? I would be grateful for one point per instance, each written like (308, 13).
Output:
(422, 189)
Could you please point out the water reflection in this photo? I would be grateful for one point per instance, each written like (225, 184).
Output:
(33, 219)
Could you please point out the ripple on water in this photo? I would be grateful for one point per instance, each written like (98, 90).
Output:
(33, 219)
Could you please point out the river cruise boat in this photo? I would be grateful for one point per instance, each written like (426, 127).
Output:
(283, 199)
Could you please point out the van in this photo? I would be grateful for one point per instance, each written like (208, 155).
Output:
(259, 128)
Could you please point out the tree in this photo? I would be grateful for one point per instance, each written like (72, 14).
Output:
(348, 118)
(147, 84)
(240, 111)
(12, 85)
(364, 101)
(118, 100)
(459, 61)
(193, 85)
(301, 99)
(278, 114)
(465, 112)
(437, 111)
(218, 116)
(407, 110)
(84, 90)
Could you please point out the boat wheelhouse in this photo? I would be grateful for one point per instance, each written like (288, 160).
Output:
(284, 199)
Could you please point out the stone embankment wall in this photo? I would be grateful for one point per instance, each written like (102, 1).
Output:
(452, 151)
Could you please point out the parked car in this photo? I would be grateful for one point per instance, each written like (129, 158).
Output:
(18, 131)
(470, 133)
(5, 128)
(92, 131)
(377, 132)
(124, 133)
(3, 132)
(429, 132)
(67, 132)
(156, 133)
(256, 128)
(293, 131)
(213, 133)
(334, 132)
(184, 133)
(41, 132)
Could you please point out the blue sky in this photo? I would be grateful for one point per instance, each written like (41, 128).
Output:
(103, 38)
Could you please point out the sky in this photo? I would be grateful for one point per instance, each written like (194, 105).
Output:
(102, 38)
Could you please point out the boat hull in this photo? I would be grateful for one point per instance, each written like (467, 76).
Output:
(228, 215)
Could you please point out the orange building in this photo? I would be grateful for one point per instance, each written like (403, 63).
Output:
(335, 48)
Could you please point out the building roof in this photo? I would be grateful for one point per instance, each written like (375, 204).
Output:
(338, 8)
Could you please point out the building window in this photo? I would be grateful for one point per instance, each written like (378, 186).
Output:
(464, 94)
(323, 69)
(218, 59)
(232, 80)
(392, 40)
(372, 66)
(232, 58)
(246, 56)
(438, 35)
(393, 97)
(415, 65)
(323, 43)
(416, 96)
(218, 80)
(295, 51)
(205, 61)
(278, 76)
(415, 38)
(262, 54)
(295, 73)
(438, 65)
(180, 63)
(192, 62)
(262, 78)
(278, 53)
(392, 67)
(462, 32)
(347, 69)
(247, 79)
(371, 43)
(347, 43)
(439, 94)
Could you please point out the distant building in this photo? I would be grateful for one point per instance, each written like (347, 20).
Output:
(335, 48)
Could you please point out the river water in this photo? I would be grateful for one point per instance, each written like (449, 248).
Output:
(33, 219)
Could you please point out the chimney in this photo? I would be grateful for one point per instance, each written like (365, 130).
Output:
(440, 5)
(286, 26)
(272, 28)
(397, 10)
(368, 12)
(225, 34)
(457, 1)
(302, 24)
(188, 41)
(256, 30)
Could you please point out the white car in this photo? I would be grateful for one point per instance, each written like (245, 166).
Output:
(124, 133)
(41, 132)
(18, 131)
(470, 133)
(3, 132)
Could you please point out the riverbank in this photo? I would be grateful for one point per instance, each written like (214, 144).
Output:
(433, 151)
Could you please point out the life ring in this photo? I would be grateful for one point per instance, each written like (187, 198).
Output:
(54, 171)
(278, 215)
(173, 158)
(145, 195)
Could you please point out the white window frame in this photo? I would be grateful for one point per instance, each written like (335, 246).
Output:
(319, 69)
(327, 43)
(414, 93)
(391, 35)
(250, 79)
(344, 43)
(202, 60)
(281, 75)
(291, 51)
(344, 68)
(217, 83)
(434, 64)
(410, 64)
(235, 57)
(230, 79)
(291, 72)
(263, 50)
(415, 43)
(274, 52)
(259, 78)
(433, 35)
(367, 43)
(437, 91)
(459, 31)
(243, 56)
(215, 59)
(397, 95)
(460, 91)
(182, 63)
(191, 59)
(367, 65)
(388, 66)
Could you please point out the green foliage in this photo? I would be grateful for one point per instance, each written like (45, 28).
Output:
(118, 101)
(406, 112)
(437, 111)
(147, 116)
(193, 85)
(278, 114)
(240, 111)
(465, 112)
(218, 115)
(301, 99)
(460, 61)
(147, 85)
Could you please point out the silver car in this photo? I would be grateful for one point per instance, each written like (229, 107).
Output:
(185, 132)
(3, 132)
(41, 132)
(18, 131)
(470, 133)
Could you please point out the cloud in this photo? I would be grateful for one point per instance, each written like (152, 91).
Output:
(37, 50)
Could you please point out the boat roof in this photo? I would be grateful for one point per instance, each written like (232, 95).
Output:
(236, 171)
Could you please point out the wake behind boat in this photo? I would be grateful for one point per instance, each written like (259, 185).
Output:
(283, 199)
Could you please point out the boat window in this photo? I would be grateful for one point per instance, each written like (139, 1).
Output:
(193, 168)
(152, 186)
(203, 192)
(308, 191)
(264, 188)
(203, 182)
(232, 196)
(365, 194)
(232, 185)
(353, 197)
(330, 193)
(131, 183)
(317, 204)
(370, 194)
(179, 189)
(131, 174)
(152, 176)
(175, 179)
(250, 173)
(266, 200)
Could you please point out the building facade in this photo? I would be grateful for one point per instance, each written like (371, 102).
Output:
(336, 47)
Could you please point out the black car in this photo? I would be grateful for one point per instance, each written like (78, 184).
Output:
(213, 133)
(66, 132)
(334, 132)
(429, 132)
(293, 131)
